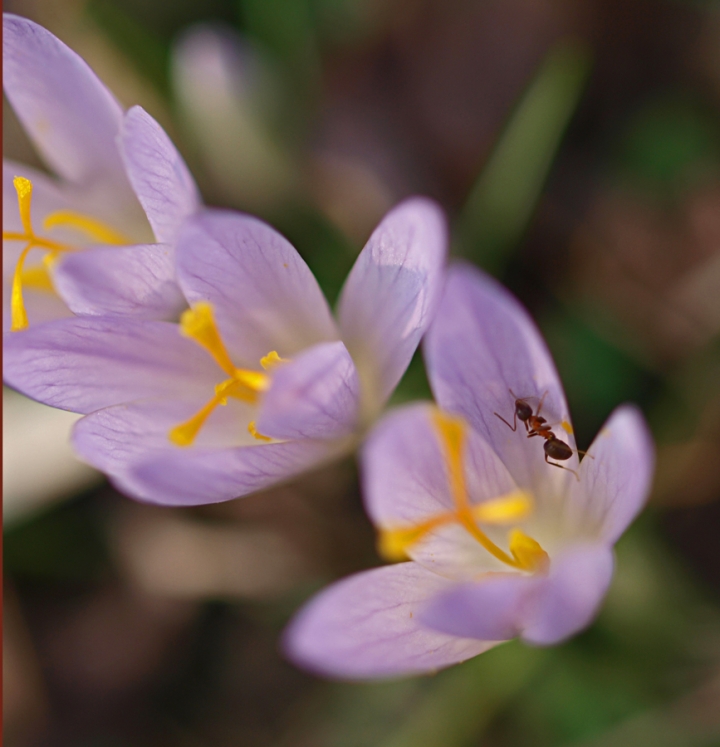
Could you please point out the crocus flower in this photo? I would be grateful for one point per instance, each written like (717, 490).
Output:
(257, 382)
(501, 543)
(121, 186)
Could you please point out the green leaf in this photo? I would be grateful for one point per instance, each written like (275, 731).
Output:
(502, 201)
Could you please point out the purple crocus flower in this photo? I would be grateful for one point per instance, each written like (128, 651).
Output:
(258, 382)
(501, 542)
(121, 185)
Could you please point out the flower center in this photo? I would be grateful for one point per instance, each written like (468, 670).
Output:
(38, 277)
(525, 554)
(198, 323)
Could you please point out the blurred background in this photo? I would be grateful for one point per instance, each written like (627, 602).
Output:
(575, 145)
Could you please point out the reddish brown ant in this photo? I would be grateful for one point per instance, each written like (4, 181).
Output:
(536, 425)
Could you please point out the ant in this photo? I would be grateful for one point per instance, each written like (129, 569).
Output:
(536, 425)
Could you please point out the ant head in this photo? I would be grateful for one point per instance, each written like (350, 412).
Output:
(523, 410)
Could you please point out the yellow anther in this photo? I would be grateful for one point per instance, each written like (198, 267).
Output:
(95, 229)
(254, 432)
(271, 360)
(24, 189)
(567, 427)
(198, 323)
(505, 509)
(528, 553)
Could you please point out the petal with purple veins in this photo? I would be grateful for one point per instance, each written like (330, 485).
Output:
(263, 294)
(570, 595)
(481, 345)
(195, 476)
(70, 115)
(493, 609)
(313, 396)
(392, 292)
(115, 438)
(121, 281)
(84, 364)
(158, 174)
(615, 477)
(366, 626)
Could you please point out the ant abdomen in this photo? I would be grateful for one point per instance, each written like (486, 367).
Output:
(557, 449)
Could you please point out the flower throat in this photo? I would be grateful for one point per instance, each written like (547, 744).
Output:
(525, 553)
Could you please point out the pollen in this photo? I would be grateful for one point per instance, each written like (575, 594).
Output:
(567, 427)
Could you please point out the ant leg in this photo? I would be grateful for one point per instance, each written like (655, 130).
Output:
(560, 466)
(580, 451)
(512, 427)
(542, 399)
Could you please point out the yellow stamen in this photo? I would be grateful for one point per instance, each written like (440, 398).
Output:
(271, 360)
(451, 430)
(35, 277)
(254, 432)
(19, 320)
(505, 509)
(528, 552)
(185, 433)
(95, 229)
(567, 427)
(198, 323)
(393, 543)
(24, 189)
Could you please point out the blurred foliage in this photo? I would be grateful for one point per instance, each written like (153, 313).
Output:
(67, 543)
(503, 199)
(668, 145)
